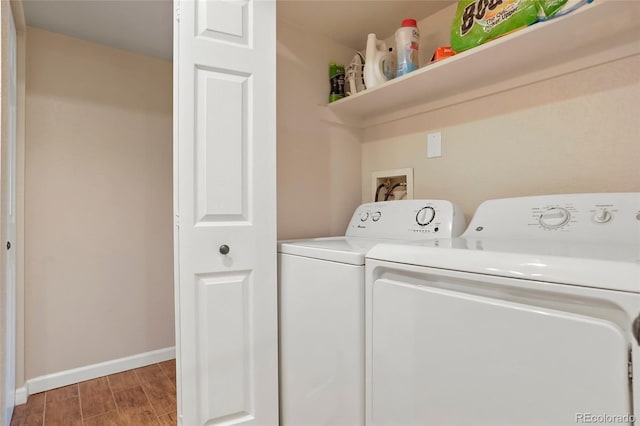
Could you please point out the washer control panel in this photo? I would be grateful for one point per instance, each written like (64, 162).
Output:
(407, 219)
(425, 215)
(606, 217)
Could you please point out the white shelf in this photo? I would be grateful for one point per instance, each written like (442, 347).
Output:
(603, 31)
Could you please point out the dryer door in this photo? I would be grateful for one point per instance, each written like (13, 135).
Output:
(440, 355)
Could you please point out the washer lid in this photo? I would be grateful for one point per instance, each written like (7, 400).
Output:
(607, 266)
(349, 250)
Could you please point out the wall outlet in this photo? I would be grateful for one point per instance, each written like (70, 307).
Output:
(397, 183)
(434, 145)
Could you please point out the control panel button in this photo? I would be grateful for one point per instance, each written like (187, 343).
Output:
(555, 217)
(602, 216)
(425, 216)
(375, 216)
(364, 216)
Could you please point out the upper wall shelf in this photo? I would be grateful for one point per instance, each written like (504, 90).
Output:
(601, 32)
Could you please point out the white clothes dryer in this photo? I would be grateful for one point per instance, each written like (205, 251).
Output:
(321, 306)
(531, 318)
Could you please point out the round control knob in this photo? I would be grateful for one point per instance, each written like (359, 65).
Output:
(375, 216)
(425, 216)
(555, 217)
(602, 216)
(364, 216)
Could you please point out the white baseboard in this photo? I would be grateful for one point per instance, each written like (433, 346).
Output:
(21, 395)
(68, 377)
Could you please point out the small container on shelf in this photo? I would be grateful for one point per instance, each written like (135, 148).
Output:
(441, 53)
(336, 80)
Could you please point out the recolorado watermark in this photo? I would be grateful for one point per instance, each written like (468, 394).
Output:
(604, 418)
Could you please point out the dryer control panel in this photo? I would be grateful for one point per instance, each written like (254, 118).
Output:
(407, 220)
(596, 218)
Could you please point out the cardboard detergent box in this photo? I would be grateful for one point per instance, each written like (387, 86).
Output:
(441, 53)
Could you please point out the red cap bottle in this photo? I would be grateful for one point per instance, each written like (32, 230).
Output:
(409, 23)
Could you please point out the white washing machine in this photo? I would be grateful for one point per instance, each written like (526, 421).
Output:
(321, 285)
(531, 318)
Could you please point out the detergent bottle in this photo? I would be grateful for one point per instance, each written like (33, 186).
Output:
(407, 44)
(380, 62)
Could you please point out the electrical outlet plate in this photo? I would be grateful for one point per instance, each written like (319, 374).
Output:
(391, 177)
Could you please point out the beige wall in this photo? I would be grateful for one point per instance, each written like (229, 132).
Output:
(574, 133)
(99, 250)
(318, 162)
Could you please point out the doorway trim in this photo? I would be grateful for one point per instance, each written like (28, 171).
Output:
(21, 27)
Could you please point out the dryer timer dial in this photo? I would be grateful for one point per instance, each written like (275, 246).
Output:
(555, 217)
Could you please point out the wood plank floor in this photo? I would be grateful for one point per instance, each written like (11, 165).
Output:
(143, 396)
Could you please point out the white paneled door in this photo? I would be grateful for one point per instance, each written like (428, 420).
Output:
(225, 239)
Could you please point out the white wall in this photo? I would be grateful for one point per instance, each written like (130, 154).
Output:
(99, 249)
(318, 162)
(573, 133)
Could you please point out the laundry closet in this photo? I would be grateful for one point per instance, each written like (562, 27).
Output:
(97, 283)
(522, 115)
(534, 113)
